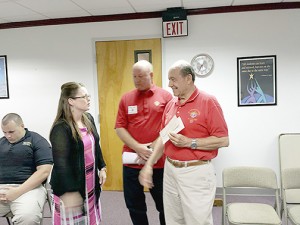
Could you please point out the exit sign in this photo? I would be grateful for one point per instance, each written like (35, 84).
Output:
(175, 28)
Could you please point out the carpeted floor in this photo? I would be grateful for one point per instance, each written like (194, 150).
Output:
(115, 212)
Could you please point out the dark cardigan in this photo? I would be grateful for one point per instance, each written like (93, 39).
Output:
(68, 174)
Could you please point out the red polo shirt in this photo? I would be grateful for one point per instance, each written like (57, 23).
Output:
(202, 117)
(140, 113)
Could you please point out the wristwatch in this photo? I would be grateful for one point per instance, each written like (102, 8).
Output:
(193, 144)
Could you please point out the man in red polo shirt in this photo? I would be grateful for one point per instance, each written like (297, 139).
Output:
(137, 125)
(189, 176)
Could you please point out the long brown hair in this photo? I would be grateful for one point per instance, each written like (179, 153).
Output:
(69, 90)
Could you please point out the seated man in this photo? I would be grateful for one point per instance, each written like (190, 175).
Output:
(25, 163)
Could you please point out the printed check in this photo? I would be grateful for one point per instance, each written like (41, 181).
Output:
(175, 125)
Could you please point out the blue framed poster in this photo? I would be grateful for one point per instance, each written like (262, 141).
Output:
(257, 80)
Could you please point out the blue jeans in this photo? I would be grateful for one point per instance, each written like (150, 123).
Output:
(135, 197)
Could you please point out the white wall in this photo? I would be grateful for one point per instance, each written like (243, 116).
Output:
(40, 59)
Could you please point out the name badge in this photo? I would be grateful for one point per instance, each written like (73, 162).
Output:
(132, 109)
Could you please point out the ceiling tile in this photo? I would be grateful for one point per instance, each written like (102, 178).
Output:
(195, 4)
(26, 18)
(54, 8)
(4, 21)
(253, 2)
(154, 5)
(46, 5)
(10, 9)
(105, 7)
(67, 14)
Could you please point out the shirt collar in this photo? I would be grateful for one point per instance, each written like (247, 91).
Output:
(191, 98)
(149, 91)
(27, 134)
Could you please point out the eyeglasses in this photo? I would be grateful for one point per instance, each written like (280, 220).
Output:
(85, 96)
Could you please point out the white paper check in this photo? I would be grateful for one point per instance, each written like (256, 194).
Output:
(131, 158)
(175, 125)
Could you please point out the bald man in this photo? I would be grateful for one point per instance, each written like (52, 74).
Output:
(138, 125)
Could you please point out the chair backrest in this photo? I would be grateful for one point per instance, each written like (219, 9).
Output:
(244, 176)
(290, 179)
(289, 155)
(289, 150)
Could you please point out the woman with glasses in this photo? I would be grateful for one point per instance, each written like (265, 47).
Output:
(79, 169)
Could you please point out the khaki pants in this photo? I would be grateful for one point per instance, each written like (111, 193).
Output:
(28, 208)
(188, 194)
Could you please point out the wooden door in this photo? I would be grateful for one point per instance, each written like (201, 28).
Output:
(114, 71)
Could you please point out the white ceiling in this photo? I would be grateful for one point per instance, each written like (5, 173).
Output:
(30, 10)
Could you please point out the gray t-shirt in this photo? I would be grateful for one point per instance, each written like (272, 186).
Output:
(18, 161)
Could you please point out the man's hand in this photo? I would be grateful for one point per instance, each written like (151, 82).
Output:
(144, 151)
(3, 198)
(11, 194)
(145, 176)
(140, 161)
(179, 140)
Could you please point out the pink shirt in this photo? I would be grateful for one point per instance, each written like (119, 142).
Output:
(140, 113)
(202, 117)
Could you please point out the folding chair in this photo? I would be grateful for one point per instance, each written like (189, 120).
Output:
(49, 192)
(291, 181)
(250, 212)
(289, 154)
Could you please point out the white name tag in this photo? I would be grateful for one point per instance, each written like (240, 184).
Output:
(132, 109)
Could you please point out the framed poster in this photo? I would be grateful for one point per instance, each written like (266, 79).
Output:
(256, 80)
(3, 78)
